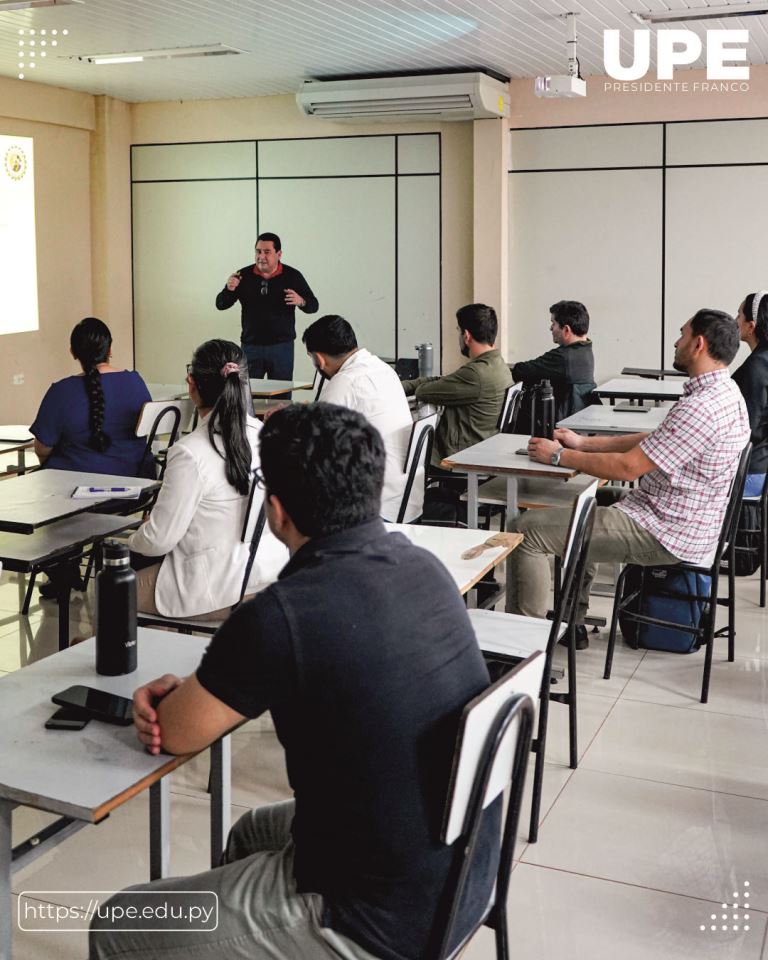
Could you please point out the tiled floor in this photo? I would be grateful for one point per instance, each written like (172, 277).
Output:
(664, 821)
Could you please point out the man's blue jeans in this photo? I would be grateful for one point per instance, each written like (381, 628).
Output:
(274, 360)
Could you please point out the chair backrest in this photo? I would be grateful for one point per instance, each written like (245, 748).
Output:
(574, 562)
(162, 418)
(733, 508)
(418, 455)
(491, 754)
(253, 528)
(510, 407)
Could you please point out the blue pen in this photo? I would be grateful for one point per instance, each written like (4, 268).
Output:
(107, 489)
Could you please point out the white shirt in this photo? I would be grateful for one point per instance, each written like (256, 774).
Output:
(196, 526)
(368, 385)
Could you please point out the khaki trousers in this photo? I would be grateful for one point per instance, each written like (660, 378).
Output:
(615, 538)
(261, 916)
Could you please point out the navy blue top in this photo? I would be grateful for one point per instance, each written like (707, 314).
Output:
(62, 423)
(364, 653)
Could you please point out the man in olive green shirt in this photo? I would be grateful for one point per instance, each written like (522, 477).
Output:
(473, 395)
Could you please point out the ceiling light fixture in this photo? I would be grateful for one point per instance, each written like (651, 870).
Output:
(34, 4)
(721, 12)
(172, 53)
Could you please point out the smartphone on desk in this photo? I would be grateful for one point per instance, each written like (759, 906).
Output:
(66, 718)
(96, 704)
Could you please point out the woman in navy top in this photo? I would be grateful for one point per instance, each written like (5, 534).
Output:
(88, 422)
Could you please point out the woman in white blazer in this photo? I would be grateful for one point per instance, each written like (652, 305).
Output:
(194, 531)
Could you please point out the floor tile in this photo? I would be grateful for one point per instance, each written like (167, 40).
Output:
(555, 778)
(668, 838)
(35, 945)
(671, 745)
(739, 689)
(590, 664)
(557, 914)
(591, 712)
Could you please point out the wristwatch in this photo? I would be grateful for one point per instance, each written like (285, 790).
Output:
(555, 458)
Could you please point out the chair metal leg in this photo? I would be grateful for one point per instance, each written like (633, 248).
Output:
(541, 744)
(710, 644)
(614, 624)
(763, 549)
(28, 594)
(500, 929)
(732, 602)
(572, 732)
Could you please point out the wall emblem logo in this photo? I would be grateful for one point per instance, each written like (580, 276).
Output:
(15, 162)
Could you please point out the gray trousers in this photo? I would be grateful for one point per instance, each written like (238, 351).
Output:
(615, 538)
(261, 916)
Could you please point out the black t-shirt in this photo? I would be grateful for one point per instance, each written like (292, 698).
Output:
(365, 656)
(266, 318)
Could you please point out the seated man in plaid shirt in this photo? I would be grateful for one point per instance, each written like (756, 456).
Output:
(685, 469)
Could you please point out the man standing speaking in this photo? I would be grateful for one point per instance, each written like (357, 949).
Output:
(269, 292)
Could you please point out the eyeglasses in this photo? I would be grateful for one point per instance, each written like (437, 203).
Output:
(264, 288)
(258, 479)
(189, 369)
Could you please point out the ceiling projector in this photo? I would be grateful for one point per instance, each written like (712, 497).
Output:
(563, 86)
(571, 83)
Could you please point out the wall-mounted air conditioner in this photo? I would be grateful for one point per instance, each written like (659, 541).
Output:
(442, 96)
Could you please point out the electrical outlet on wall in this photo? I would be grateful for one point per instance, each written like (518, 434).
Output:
(18, 379)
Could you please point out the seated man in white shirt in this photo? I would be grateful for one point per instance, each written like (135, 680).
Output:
(359, 380)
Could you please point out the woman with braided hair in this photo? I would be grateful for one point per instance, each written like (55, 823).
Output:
(189, 554)
(88, 422)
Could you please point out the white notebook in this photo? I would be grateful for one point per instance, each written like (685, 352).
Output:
(106, 492)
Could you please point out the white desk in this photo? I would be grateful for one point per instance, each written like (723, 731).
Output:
(652, 373)
(448, 544)
(19, 447)
(84, 775)
(44, 496)
(602, 419)
(168, 391)
(629, 388)
(498, 455)
(273, 388)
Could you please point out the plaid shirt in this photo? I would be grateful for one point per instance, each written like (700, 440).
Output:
(696, 452)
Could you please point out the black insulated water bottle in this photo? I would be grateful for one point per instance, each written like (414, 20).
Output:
(116, 612)
(543, 413)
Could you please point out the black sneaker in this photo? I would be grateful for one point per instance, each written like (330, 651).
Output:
(582, 638)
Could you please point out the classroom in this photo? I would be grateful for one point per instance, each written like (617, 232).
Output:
(146, 149)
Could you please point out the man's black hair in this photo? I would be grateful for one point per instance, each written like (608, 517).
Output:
(331, 335)
(325, 464)
(273, 237)
(480, 320)
(720, 331)
(571, 313)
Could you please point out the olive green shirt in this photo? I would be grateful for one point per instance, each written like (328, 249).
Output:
(472, 398)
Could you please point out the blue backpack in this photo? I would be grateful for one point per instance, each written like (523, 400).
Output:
(664, 593)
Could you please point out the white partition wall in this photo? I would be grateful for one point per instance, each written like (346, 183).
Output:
(644, 223)
(359, 216)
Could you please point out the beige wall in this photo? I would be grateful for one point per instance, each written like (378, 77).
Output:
(279, 117)
(60, 122)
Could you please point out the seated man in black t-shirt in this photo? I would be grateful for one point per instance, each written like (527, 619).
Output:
(364, 654)
(570, 367)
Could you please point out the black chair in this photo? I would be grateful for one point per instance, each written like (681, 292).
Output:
(507, 638)
(705, 631)
(417, 457)
(253, 527)
(491, 754)
(760, 531)
(510, 408)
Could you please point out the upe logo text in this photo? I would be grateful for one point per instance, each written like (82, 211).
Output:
(677, 48)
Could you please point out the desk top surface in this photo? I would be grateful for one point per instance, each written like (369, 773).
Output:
(498, 454)
(15, 433)
(86, 773)
(38, 498)
(611, 420)
(273, 388)
(167, 391)
(655, 373)
(636, 387)
(448, 544)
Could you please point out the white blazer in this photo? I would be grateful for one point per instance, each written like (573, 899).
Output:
(366, 384)
(196, 525)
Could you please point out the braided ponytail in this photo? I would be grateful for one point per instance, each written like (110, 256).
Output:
(90, 343)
